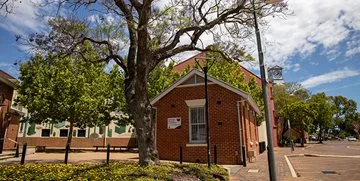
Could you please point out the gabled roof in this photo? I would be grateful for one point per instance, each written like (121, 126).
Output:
(212, 79)
(8, 82)
(7, 79)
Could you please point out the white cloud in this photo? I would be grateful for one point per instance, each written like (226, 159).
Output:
(353, 47)
(297, 67)
(315, 24)
(314, 63)
(330, 77)
(24, 18)
(333, 53)
(5, 64)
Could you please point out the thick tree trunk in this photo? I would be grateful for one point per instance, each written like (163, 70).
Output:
(70, 133)
(140, 109)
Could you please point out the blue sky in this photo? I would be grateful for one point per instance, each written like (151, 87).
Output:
(318, 45)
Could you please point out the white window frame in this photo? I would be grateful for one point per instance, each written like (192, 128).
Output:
(191, 141)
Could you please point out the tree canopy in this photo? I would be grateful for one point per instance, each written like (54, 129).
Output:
(69, 89)
(335, 115)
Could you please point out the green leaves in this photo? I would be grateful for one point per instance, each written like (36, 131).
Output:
(65, 89)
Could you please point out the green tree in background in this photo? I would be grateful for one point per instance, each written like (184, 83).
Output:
(291, 103)
(68, 89)
(345, 116)
(325, 111)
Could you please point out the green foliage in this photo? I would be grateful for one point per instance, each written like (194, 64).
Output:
(115, 171)
(345, 115)
(161, 78)
(308, 112)
(301, 116)
(325, 110)
(68, 89)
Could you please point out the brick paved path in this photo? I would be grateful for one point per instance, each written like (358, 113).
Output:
(261, 164)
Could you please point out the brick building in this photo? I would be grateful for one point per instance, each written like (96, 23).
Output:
(55, 135)
(180, 120)
(9, 113)
(190, 62)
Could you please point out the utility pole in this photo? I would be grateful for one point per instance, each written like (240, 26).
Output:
(271, 158)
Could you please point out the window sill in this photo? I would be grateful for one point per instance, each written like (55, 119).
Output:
(196, 144)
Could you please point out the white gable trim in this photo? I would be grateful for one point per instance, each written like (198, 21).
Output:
(193, 85)
(195, 102)
(212, 79)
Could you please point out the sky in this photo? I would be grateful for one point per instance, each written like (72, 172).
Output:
(318, 45)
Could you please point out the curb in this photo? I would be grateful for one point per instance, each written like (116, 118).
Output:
(332, 156)
(292, 170)
(329, 156)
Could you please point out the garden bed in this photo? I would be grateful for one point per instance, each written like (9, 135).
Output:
(114, 171)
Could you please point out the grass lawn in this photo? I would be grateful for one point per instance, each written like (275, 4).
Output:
(114, 171)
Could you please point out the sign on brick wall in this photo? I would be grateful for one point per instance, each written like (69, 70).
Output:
(174, 123)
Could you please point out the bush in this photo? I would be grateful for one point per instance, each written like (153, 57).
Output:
(114, 171)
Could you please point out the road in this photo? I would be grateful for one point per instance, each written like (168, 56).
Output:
(332, 165)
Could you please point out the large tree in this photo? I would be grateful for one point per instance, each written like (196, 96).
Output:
(68, 89)
(153, 33)
(345, 115)
(325, 111)
(291, 104)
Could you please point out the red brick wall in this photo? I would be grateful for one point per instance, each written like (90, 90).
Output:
(190, 62)
(7, 91)
(225, 136)
(11, 132)
(76, 142)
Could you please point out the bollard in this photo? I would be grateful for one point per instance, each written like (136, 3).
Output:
(108, 154)
(17, 151)
(181, 158)
(215, 155)
(23, 154)
(243, 155)
(67, 153)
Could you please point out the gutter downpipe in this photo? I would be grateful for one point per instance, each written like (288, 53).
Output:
(240, 127)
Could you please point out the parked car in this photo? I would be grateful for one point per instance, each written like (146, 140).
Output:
(351, 138)
(312, 138)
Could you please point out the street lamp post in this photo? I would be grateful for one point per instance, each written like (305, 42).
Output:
(271, 157)
(205, 70)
